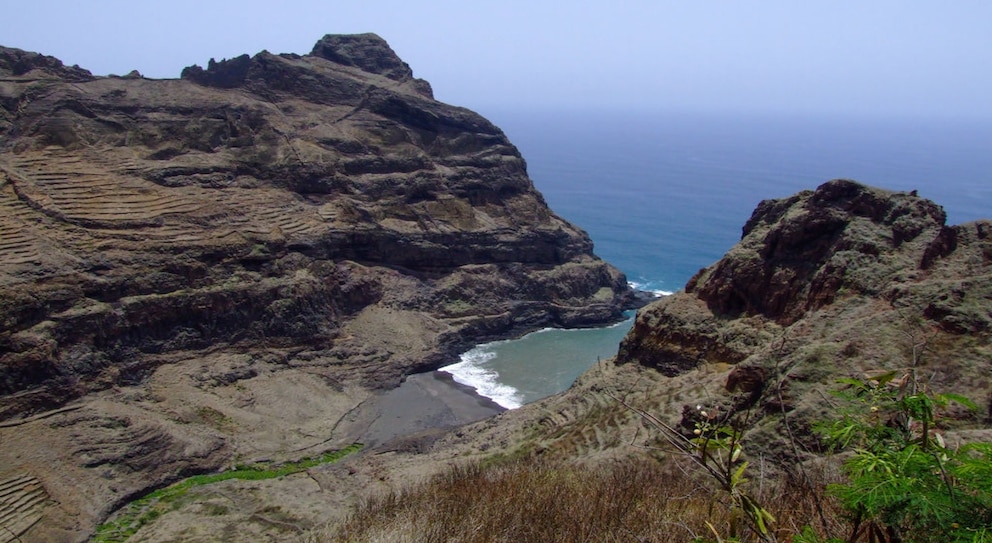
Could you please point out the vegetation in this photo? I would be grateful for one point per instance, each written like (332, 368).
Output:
(634, 500)
(901, 481)
(716, 448)
(905, 482)
(153, 505)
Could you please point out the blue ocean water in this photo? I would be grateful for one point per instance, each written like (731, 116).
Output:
(663, 195)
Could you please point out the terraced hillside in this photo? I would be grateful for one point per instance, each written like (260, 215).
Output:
(105, 195)
(225, 265)
(22, 504)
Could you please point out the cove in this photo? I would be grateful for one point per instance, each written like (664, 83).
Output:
(519, 371)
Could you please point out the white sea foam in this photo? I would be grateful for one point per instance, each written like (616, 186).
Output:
(471, 371)
(625, 322)
(658, 293)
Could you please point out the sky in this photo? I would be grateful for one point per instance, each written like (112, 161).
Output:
(839, 57)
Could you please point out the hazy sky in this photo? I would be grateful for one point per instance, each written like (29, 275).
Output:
(881, 57)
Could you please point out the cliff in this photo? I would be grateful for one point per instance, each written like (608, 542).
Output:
(844, 281)
(262, 201)
(226, 264)
(844, 251)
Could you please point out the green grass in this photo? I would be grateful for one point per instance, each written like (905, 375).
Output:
(146, 509)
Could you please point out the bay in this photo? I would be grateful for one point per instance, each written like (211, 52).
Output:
(665, 194)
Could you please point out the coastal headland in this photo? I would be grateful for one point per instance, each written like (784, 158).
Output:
(230, 266)
(262, 261)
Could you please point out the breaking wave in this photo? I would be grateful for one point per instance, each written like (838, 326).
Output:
(647, 287)
(471, 371)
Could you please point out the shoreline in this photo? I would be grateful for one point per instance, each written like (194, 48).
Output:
(429, 403)
(424, 404)
(484, 401)
(544, 362)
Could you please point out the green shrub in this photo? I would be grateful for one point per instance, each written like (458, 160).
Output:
(905, 483)
(146, 509)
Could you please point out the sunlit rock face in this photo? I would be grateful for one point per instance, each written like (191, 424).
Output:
(227, 263)
(844, 242)
(264, 201)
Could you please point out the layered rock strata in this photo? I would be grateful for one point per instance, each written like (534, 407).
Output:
(262, 201)
(226, 264)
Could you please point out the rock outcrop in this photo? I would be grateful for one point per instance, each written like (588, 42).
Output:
(259, 243)
(838, 282)
(801, 255)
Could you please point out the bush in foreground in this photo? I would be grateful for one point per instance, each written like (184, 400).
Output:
(904, 482)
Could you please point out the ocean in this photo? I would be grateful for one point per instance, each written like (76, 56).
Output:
(665, 194)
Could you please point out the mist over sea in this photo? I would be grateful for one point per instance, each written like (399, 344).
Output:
(663, 195)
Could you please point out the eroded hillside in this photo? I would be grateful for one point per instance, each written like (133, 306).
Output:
(220, 267)
(845, 281)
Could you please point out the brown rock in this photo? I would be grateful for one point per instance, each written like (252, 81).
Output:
(271, 237)
(796, 254)
(260, 201)
(826, 284)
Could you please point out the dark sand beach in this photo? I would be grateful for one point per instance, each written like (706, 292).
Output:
(424, 403)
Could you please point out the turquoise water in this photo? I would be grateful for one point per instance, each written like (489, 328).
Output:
(663, 195)
(519, 371)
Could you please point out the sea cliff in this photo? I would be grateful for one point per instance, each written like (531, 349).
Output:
(829, 287)
(221, 267)
(841, 282)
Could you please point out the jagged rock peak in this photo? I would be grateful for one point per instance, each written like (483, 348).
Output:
(16, 63)
(368, 52)
(843, 245)
(797, 252)
(845, 196)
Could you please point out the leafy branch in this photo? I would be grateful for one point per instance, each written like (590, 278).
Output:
(905, 482)
(716, 448)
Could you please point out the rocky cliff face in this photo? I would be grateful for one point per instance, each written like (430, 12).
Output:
(262, 201)
(225, 258)
(842, 281)
(817, 250)
(837, 282)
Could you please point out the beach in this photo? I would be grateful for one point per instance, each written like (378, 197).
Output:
(423, 405)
